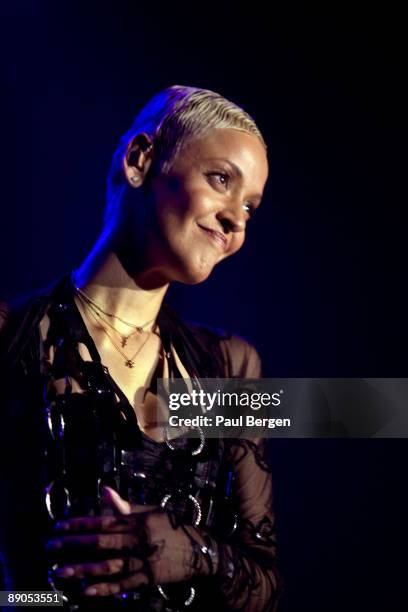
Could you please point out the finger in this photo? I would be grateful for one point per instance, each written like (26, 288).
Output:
(112, 498)
(100, 541)
(89, 523)
(110, 566)
(106, 524)
(113, 588)
(103, 568)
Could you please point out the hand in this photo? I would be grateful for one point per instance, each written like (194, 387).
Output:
(141, 545)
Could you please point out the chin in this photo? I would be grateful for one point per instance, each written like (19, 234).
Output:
(191, 268)
(193, 276)
(193, 279)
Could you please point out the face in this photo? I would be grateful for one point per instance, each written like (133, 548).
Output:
(202, 205)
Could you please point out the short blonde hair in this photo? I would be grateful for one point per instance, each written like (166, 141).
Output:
(171, 118)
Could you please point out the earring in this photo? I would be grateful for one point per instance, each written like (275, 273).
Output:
(135, 179)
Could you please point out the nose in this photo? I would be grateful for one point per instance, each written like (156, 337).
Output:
(232, 219)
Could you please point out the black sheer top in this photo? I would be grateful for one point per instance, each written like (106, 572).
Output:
(60, 447)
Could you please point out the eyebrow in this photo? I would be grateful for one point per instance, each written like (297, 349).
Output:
(237, 170)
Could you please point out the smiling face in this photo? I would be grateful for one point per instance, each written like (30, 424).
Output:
(201, 206)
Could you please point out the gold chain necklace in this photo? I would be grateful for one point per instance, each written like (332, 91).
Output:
(129, 361)
(124, 337)
(88, 300)
(97, 310)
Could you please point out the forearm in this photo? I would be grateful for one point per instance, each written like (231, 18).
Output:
(245, 583)
(247, 579)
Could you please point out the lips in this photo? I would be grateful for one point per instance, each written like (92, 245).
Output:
(216, 237)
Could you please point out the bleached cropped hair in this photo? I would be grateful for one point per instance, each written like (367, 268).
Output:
(171, 118)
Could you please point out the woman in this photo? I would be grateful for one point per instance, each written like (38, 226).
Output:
(143, 522)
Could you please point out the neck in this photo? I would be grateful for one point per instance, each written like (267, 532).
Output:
(134, 296)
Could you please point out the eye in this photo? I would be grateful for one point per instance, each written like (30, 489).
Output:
(223, 178)
(249, 208)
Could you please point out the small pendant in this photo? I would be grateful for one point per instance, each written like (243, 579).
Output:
(129, 363)
(139, 329)
(124, 340)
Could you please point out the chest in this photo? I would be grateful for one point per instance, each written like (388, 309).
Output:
(134, 370)
(133, 367)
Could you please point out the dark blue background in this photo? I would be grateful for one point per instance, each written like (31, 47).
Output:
(319, 285)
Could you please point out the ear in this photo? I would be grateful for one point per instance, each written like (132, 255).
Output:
(138, 159)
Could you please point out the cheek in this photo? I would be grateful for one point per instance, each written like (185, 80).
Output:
(179, 201)
(198, 206)
(185, 206)
(194, 199)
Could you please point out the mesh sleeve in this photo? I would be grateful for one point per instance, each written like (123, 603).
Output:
(245, 572)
